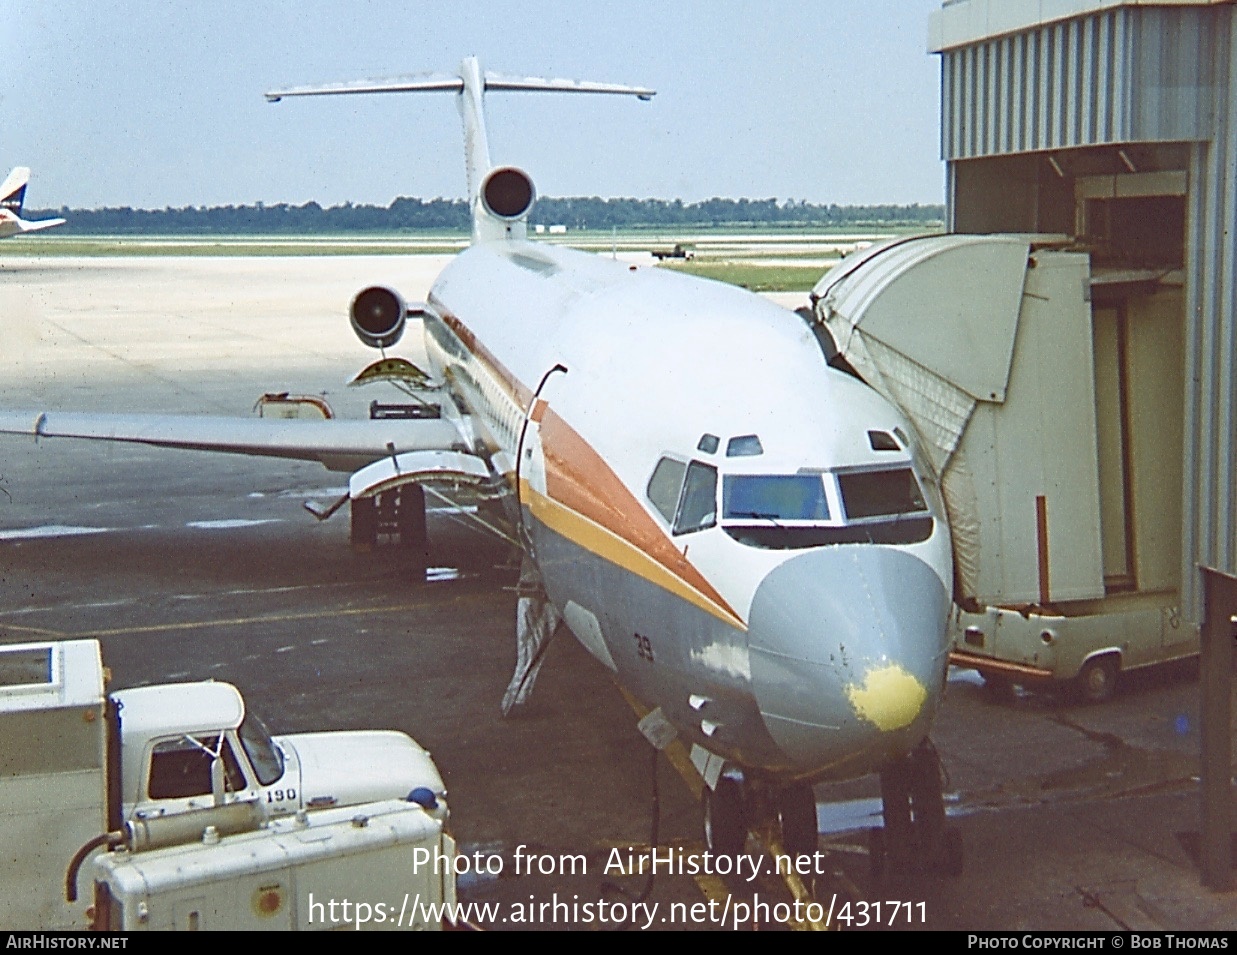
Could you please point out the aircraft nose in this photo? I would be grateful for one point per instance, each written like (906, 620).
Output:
(848, 650)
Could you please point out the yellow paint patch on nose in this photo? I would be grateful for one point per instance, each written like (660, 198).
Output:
(890, 697)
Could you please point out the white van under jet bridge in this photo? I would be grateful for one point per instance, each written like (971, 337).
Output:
(766, 567)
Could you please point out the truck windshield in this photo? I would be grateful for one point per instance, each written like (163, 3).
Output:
(265, 756)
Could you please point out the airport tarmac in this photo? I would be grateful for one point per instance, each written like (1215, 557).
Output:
(191, 566)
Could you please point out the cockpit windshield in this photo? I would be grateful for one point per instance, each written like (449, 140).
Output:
(775, 497)
(815, 509)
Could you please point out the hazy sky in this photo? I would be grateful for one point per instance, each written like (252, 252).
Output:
(153, 104)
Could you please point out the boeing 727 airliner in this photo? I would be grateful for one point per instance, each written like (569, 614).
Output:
(742, 533)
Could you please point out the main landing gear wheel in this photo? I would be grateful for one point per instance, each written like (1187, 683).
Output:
(915, 837)
(796, 810)
(363, 531)
(725, 818)
(400, 514)
(1097, 680)
(411, 524)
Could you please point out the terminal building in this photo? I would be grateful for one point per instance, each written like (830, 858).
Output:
(1114, 122)
(1113, 125)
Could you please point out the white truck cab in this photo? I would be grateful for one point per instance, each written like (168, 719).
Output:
(191, 746)
(151, 771)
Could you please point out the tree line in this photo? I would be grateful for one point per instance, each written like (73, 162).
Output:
(418, 215)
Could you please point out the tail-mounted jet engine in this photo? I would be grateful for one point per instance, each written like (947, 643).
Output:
(507, 193)
(378, 315)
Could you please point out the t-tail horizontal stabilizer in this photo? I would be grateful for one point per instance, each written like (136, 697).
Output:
(500, 199)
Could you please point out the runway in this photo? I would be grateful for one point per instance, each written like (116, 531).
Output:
(191, 566)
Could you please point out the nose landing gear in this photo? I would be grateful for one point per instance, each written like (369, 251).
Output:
(915, 837)
(734, 807)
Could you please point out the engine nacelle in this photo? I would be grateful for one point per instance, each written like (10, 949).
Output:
(507, 193)
(378, 315)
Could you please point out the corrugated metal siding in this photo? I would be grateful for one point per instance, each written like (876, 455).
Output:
(1123, 75)
(1210, 511)
(1131, 75)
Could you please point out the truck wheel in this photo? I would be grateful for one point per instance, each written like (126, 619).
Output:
(1097, 680)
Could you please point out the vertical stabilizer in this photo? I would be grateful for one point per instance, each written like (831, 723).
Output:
(13, 192)
(12, 198)
(476, 140)
(499, 198)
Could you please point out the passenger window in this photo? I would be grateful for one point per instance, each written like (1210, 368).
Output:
(698, 509)
(664, 487)
(180, 768)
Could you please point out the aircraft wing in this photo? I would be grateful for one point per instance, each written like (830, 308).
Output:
(339, 445)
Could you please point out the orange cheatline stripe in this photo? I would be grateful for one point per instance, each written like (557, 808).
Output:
(578, 478)
(609, 546)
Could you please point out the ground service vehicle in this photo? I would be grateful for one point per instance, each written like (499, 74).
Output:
(156, 766)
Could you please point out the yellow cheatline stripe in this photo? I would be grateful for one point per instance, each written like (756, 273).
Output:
(275, 618)
(609, 546)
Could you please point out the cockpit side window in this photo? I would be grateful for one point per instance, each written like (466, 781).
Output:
(698, 508)
(881, 493)
(664, 487)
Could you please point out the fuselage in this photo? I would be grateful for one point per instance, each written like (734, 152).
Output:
(738, 530)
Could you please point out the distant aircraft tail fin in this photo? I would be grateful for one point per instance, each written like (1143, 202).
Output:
(12, 197)
(500, 198)
(13, 192)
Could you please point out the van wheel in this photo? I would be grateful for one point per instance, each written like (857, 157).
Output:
(1097, 680)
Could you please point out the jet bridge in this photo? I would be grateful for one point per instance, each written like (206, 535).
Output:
(1048, 402)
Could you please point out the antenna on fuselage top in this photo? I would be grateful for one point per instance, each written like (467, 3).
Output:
(499, 199)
